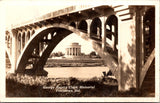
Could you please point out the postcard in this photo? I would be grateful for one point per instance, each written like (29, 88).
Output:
(99, 50)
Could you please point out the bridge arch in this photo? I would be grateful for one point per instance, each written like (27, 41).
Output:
(83, 26)
(38, 37)
(73, 24)
(95, 28)
(62, 31)
(112, 30)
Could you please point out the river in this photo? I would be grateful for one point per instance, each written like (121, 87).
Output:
(78, 72)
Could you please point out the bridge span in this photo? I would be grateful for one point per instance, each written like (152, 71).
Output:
(124, 36)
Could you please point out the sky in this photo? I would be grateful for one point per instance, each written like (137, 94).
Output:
(17, 12)
(86, 47)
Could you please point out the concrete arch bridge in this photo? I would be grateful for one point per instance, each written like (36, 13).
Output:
(124, 36)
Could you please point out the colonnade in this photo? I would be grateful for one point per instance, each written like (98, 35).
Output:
(73, 50)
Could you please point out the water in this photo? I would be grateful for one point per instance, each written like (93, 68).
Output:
(78, 72)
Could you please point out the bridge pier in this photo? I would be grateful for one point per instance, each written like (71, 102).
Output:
(127, 55)
(14, 52)
(131, 51)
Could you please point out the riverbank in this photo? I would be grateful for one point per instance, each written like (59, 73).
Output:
(79, 62)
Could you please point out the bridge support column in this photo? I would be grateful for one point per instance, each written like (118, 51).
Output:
(139, 44)
(14, 52)
(103, 20)
(88, 28)
(127, 55)
(21, 42)
(25, 38)
(130, 52)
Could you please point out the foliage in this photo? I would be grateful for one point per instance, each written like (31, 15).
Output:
(56, 54)
(39, 86)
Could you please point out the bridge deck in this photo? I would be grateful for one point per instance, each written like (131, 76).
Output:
(66, 11)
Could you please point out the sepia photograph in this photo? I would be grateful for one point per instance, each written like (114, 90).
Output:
(97, 50)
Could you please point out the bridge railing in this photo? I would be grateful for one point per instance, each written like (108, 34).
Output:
(65, 11)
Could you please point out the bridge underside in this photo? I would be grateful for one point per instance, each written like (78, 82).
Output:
(31, 54)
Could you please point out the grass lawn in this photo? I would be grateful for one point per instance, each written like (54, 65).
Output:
(39, 86)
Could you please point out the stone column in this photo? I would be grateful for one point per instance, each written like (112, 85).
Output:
(129, 52)
(68, 51)
(40, 48)
(21, 42)
(89, 21)
(79, 51)
(113, 42)
(30, 34)
(26, 38)
(139, 44)
(76, 51)
(14, 51)
(103, 20)
(72, 51)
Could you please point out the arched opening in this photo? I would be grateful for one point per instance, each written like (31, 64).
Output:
(112, 30)
(96, 28)
(61, 33)
(8, 41)
(54, 33)
(19, 43)
(32, 32)
(73, 24)
(149, 32)
(49, 37)
(28, 35)
(8, 62)
(23, 40)
(83, 26)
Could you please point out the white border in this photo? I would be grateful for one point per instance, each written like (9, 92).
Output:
(3, 4)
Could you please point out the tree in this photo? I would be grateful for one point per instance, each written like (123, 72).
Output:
(93, 53)
(56, 54)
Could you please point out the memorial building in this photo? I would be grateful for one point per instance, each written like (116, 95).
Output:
(73, 50)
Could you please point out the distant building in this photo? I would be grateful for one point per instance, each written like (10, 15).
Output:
(73, 50)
